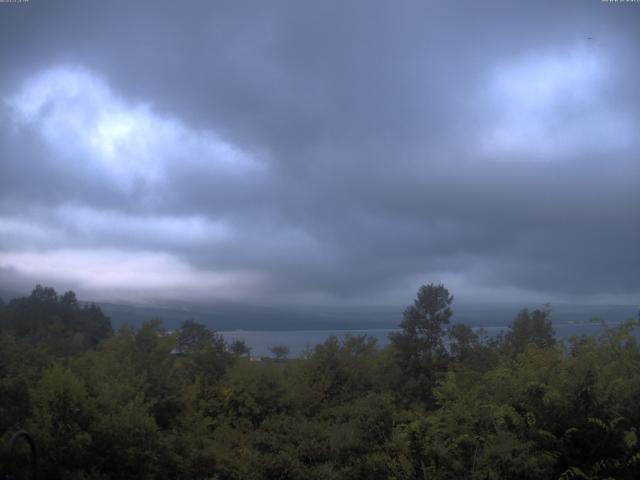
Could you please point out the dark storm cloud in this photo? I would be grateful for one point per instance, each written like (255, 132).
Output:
(325, 150)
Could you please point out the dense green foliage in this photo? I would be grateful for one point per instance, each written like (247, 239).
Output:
(441, 402)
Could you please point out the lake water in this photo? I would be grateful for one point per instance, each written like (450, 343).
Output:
(260, 341)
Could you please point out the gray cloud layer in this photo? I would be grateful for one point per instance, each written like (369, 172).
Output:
(321, 152)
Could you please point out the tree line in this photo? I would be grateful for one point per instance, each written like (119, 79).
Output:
(439, 402)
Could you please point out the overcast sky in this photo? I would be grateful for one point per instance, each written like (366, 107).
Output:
(321, 152)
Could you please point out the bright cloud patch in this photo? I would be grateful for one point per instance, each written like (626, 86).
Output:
(18, 231)
(69, 224)
(164, 231)
(83, 120)
(123, 241)
(110, 272)
(554, 105)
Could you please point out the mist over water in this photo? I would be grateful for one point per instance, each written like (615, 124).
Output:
(300, 341)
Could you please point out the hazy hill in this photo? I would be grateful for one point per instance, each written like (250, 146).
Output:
(230, 316)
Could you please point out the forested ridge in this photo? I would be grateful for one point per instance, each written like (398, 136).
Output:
(440, 402)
